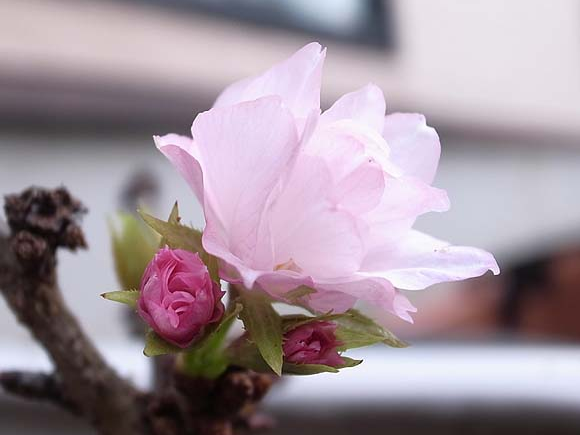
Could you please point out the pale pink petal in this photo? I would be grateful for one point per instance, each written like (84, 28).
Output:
(403, 200)
(307, 127)
(402, 309)
(405, 197)
(366, 106)
(243, 151)
(324, 301)
(361, 190)
(336, 141)
(419, 260)
(376, 291)
(181, 152)
(280, 282)
(415, 146)
(296, 80)
(358, 176)
(235, 271)
(308, 230)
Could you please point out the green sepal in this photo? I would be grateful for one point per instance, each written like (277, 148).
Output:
(356, 330)
(174, 215)
(244, 353)
(175, 235)
(313, 369)
(350, 362)
(127, 297)
(264, 326)
(133, 245)
(178, 236)
(207, 359)
(307, 369)
(212, 265)
(155, 345)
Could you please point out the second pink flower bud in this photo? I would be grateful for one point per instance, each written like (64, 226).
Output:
(178, 297)
(313, 343)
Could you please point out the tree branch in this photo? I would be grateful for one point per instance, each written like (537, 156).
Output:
(41, 221)
(37, 386)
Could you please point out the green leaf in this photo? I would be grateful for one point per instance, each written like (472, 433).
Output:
(173, 219)
(244, 353)
(174, 215)
(212, 265)
(178, 236)
(307, 369)
(207, 358)
(356, 330)
(313, 369)
(155, 345)
(215, 340)
(349, 362)
(264, 326)
(127, 297)
(134, 245)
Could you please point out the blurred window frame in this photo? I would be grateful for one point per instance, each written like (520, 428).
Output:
(373, 29)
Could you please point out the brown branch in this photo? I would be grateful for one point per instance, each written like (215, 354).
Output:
(37, 386)
(41, 221)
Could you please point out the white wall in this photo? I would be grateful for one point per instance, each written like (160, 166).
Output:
(486, 64)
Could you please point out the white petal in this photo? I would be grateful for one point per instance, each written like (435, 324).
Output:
(366, 105)
(181, 152)
(308, 229)
(418, 261)
(243, 151)
(296, 80)
(374, 291)
(415, 146)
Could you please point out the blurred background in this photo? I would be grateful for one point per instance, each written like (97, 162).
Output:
(84, 84)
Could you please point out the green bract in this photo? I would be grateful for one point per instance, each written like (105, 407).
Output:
(208, 359)
(356, 330)
(264, 326)
(134, 245)
(127, 297)
(178, 236)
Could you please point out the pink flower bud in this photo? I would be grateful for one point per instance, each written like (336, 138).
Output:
(178, 297)
(313, 343)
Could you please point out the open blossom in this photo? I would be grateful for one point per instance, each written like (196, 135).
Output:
(293, 196)
(312, 343)
(178, 298)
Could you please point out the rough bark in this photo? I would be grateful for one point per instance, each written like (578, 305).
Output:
(40, 222)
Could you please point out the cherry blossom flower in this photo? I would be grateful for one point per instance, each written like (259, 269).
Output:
(294, 196)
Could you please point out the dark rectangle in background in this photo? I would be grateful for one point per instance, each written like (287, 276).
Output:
(362, 22)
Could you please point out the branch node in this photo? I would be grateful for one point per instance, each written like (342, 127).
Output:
(52, 215)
